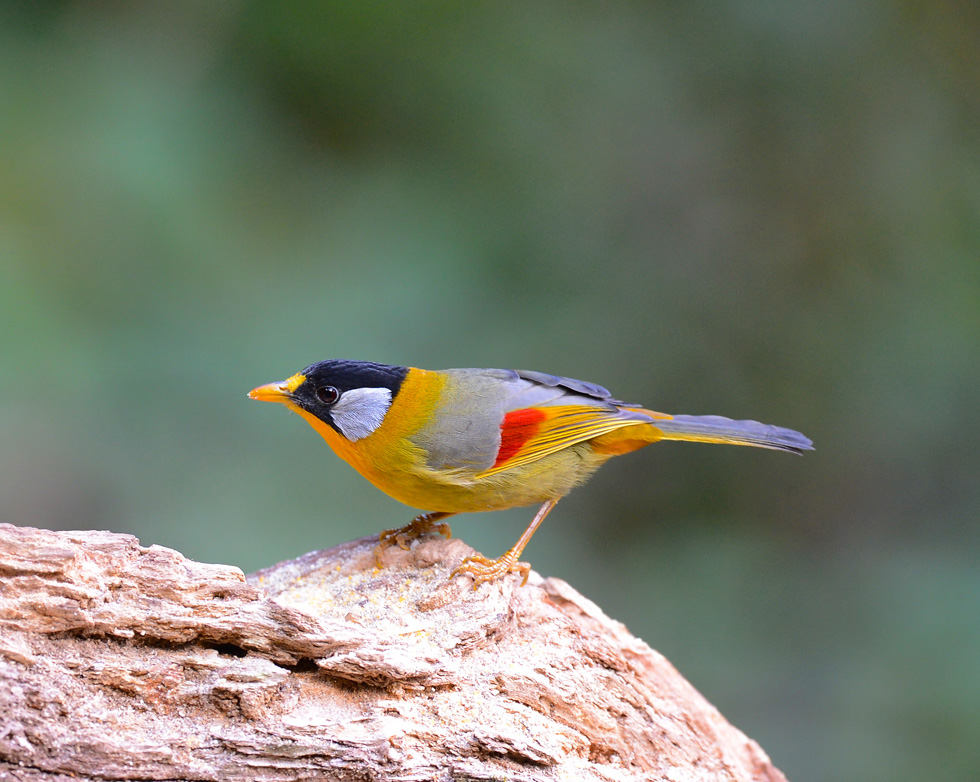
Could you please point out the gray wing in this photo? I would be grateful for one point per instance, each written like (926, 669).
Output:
(566, 384)
(465, 431)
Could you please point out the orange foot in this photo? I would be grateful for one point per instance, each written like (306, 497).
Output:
(419, 526)
(483, 569)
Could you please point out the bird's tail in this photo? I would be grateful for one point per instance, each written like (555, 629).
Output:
(717, 429)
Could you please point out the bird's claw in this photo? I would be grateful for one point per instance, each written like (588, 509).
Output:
(403, 536)
(483, 569)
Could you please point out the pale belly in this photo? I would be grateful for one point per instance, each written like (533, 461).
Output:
(459, 491)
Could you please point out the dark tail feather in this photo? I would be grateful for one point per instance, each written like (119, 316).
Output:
(717, 429)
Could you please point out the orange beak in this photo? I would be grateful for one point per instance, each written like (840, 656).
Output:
(270, 392)
(281, 391)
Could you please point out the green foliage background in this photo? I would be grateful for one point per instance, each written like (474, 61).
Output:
(765, 210)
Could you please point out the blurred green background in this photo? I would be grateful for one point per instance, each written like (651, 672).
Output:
(760, 210)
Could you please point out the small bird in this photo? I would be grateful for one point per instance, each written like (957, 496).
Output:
(462, 440)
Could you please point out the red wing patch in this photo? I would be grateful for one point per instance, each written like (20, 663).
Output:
(517, 428)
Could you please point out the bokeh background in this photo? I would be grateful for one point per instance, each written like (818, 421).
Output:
(765, 210)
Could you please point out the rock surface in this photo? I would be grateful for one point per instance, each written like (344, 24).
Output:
(119, 662)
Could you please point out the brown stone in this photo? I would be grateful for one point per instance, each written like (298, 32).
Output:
(124, 662)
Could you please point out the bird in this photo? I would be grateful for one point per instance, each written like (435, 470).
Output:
(466, 440)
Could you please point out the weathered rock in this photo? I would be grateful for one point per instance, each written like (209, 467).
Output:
(124, 662)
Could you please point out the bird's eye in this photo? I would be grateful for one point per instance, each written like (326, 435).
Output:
(327, 394)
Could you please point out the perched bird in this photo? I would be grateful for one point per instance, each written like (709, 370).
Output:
(462, 440)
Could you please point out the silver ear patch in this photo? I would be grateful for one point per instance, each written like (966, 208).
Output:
(360, 411)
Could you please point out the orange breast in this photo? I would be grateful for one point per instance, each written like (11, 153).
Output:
(386, 457)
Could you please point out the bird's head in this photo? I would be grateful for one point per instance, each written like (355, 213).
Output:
(352, 397)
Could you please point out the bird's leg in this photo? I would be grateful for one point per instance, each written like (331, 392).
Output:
(484, 569)
(419, 526)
